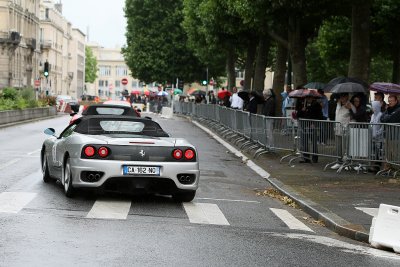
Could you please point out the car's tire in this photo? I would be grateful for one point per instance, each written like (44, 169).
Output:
(45, 169)
(67, 180)
(186, 196)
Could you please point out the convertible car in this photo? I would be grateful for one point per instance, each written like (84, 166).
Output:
(120, 153)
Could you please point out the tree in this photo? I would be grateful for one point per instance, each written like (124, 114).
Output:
(90, 66)
(156, 42)
(360, 54)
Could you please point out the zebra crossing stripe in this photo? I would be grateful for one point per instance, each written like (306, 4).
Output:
(13, 202)
(205, 213)
(110, 209)
(290, 220)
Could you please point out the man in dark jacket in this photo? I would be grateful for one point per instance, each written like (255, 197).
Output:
(268, 108)
(252, 106)
(311, 110)
(392, 113)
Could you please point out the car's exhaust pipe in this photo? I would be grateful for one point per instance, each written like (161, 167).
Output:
(90, 177)
(184, 178)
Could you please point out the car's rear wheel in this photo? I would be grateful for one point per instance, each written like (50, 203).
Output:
(186, 196)
(67, 177)
(45, 169)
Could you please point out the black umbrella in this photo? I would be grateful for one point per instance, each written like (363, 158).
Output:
(245, 95)
(348, 88)
(340, 80)
(314, 85)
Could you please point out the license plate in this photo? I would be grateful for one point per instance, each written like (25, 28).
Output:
(141, 170)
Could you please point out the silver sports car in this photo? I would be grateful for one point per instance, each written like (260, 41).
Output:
(120, 153)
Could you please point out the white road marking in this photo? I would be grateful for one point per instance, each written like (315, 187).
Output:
(33, 152)
(11, 162)
(290, 220)
(205, 213)
(229, 200)
(370, 211)
(343, 246)
(13, 202)
(260, 171)
(110, 209)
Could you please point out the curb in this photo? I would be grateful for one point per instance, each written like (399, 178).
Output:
(331, 220)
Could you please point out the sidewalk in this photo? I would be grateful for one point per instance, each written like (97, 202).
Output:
(345, 202)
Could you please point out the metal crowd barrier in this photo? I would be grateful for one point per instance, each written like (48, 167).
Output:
(359, 145)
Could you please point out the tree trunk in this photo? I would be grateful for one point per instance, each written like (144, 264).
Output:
(261, 63)
(396, 60)
(297, 48)
(249, 67)
(279, 76)
(230, 68)
(360, 40)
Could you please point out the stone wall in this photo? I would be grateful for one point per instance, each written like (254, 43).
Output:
(11, 116)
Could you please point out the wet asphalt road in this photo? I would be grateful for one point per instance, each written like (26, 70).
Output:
(52, 230)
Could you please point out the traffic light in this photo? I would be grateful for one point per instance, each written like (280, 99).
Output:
(46, 69)
(204, 82)
(181, 84)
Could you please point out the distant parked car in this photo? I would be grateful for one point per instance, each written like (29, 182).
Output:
(105, 109)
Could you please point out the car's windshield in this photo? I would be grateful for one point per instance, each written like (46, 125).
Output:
(109, 111)
(120, 126)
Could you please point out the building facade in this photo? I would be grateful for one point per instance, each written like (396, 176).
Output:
(112, 70)
(19, 43)
(33, 32)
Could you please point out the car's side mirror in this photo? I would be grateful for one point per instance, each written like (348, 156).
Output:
(50, 131)
(73, 114)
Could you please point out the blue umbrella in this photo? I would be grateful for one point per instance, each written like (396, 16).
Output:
(162, 93)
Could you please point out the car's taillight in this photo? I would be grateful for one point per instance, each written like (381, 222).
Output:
(89, 151)
(177, 154)
(189, 154)
(103, 152)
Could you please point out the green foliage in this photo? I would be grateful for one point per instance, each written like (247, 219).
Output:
(90, 66)
(12, 98)
(156, 42)
(10, 93)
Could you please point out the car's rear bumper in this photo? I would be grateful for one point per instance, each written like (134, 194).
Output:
(112, 173)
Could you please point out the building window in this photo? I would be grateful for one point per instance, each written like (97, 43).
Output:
(121, 71)
(117, 83)
(135, 84)
(104, 70)
(101, 83)
(239, 74)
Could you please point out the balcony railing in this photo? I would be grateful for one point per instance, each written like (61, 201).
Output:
(46, 44)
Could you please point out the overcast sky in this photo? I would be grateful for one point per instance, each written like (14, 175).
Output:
(105, 19)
